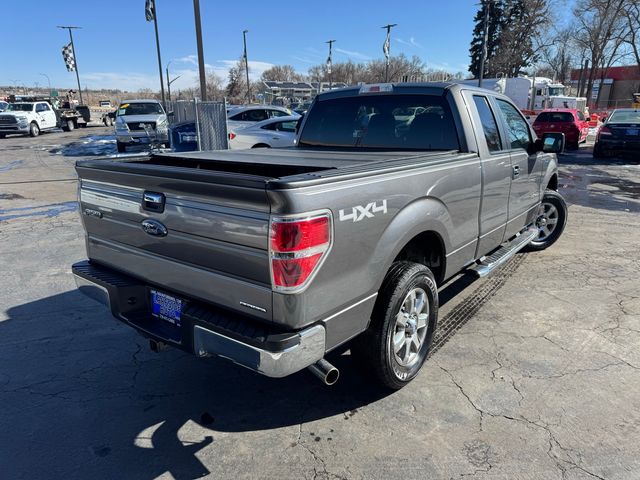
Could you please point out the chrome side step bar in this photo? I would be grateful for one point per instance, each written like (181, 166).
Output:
(498, 258)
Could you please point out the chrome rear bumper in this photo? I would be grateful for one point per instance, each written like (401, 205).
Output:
(278, 354)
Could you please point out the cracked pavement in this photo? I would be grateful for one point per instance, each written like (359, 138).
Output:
(535, 371)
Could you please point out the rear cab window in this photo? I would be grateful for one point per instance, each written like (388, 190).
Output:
(555, 117)
(381, 122)
(489, 124)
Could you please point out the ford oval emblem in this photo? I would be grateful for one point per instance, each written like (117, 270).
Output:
(155, 228)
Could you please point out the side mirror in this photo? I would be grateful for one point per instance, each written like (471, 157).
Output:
(170, 114)
(552, 142)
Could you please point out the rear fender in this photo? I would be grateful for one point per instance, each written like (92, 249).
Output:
(422, 215)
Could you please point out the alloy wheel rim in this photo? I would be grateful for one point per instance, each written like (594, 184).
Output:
(547, 221)
(410, 329)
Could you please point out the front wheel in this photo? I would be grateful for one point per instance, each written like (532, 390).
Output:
(34, 130)
(398, 340)
(552, 217)
(70, 126)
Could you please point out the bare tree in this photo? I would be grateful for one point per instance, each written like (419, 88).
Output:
(632, 36)
(282, 73)
(600, 25)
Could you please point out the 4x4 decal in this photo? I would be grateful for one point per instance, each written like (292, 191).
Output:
(360, 213)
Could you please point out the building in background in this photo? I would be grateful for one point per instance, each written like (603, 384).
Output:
(290, 93)
(613, 88)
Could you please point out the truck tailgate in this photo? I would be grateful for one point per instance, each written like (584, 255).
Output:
(215, 244)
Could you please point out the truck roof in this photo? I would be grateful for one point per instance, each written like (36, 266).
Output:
(413, 87)
(140, 100)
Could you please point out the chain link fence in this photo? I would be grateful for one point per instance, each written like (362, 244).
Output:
(210, 119)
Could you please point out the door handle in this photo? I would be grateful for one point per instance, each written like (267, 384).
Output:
(516, 171)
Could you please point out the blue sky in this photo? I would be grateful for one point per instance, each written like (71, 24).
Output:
(116, 47)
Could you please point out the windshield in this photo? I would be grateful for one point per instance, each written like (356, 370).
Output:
(382, 122)
(555, 91)
(548, 117)
(628, 116)
(151, 108)
(20, 107)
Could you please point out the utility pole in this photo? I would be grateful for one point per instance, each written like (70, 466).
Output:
(330, 63)
(485, 40)
(75, 58)
(246, 64)
(203, 79)
(386, 48)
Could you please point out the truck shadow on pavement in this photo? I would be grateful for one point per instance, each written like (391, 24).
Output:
(118, 410)
(112, 409)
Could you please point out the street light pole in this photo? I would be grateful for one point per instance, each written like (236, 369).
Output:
(155, 26)
(246, 64)
(330, 63)
(485, 40)
(169, 82)
(75, 58)
(203, 79)
(48, 81)
(387, 49)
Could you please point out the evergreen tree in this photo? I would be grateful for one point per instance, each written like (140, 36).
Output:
(496, 21)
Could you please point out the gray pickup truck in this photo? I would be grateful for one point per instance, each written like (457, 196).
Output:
(272, 258)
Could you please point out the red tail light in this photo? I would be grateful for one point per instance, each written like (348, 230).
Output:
(297, 246)
(604, 131)
(232, 136)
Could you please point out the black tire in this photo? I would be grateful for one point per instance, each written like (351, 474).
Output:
(70, 126)
(261, 145)
(122, 148)
(34, 129)
(573, 146)
(374, 349)
(597, 151)
(545, 240)
(2, 135)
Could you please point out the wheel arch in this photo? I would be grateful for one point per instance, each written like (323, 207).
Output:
(417, 233)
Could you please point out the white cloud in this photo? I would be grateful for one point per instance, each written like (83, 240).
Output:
(133, 81)
(352, 54)
(412, 42)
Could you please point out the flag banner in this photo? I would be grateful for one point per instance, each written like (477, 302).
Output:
(150, 10)
(387, 45)
(69, 59)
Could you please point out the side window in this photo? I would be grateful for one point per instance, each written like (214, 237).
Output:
(39, 107)
(289, 126)
(45, 107)
(257, 115)
(517, 126)
(270, 126)
(278, 113)
(238, 116)
(489, 124)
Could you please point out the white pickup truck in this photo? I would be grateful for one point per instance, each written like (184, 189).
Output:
(27, 118)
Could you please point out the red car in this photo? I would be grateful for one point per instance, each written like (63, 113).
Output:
(570, 122)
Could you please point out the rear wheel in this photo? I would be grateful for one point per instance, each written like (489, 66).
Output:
(552, 217)
(398, 340)
(34, 129)
(261, 145)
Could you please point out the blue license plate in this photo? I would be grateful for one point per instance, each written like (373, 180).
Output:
(166, 307)
(633, 131)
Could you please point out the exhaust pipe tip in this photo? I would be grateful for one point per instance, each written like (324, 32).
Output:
(325, 372)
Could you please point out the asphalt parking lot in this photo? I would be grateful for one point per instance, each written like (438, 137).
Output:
(535, 373)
